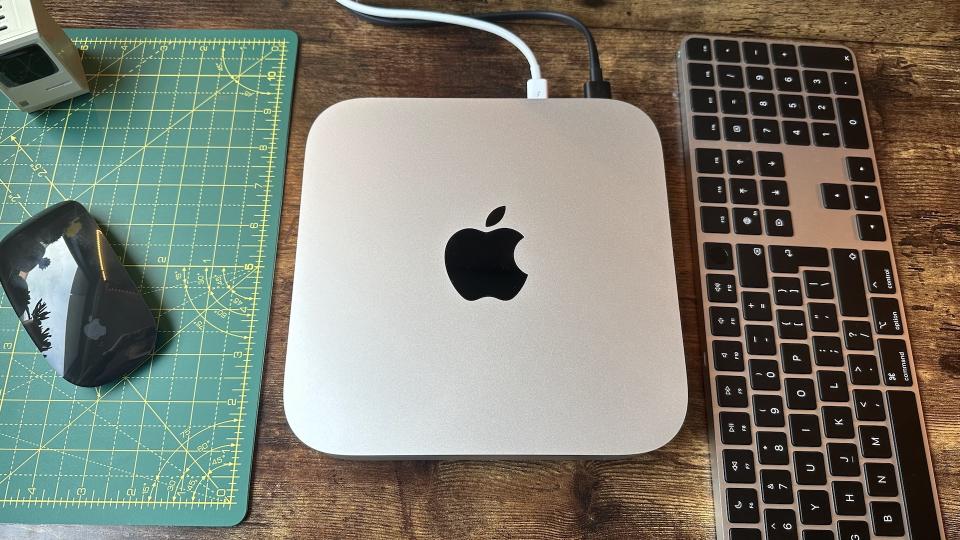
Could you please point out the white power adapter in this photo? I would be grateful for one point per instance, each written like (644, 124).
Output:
(39, 65)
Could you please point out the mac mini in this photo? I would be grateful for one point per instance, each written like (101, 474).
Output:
(484, 278)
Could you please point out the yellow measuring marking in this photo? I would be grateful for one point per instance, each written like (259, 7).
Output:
(179, 153)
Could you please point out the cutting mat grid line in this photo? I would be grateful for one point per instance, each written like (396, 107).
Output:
(179, 153)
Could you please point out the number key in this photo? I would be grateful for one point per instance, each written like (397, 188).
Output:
(776, 486)
(768, 410)
(772, 448)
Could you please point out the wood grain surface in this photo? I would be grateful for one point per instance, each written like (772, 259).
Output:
(909, 53)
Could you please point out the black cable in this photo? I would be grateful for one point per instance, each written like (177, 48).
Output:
(595, 87)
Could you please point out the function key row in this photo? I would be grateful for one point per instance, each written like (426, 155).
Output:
(754, 52)
(761, 78)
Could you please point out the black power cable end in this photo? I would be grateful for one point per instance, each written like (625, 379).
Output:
(597, 89)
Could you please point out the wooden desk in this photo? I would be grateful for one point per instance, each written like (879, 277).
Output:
(909, 54)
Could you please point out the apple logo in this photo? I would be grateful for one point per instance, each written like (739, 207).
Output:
(482, 264)
(94, 330)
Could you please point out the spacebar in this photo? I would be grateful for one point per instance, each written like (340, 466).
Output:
(914, 469)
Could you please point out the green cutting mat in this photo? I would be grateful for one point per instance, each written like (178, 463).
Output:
(179, 154)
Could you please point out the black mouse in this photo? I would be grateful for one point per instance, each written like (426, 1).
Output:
(75, 298)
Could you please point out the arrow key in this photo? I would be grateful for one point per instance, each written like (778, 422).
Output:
(870, 227)
(866, 198)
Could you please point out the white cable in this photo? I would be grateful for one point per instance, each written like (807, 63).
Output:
(536, 86)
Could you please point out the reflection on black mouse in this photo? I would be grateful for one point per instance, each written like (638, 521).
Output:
(75, 298)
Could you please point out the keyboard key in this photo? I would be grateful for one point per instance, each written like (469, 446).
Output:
(823, 317)
(887, 518)
(738, 467)
(784, 55)
(779, 222)
(845, 84)
(814, 507)
(742, 505)
(721, 288)
(796, 358)
(735, 428)
(781, 524)
(775, 193)
(743, 191)
(698, 49)
(772, 448)
(711, 189)
(736, 129)
(857, 335)
(756, 306)
(776, 486)
(879, 272)
(838, 423)
(818, 284)
(791, 106)
(825, 134)
(866, 198)
(731, 391)
(796, 133)
(724, 321)
(791, 324)
(703, 100)
(826, 58)
(787, 259)
(770, 164)
(714, 219)
(762, 104)
(764, 374)
(730, 76)
(914, 472)
(768, 410)
(809, 468)
(835, 196)
(833, 386)
(895, 362)
(863, 370)
(740, 162)
(875, 442)
(881, 479)
(766, 131)
(853, 530)
(821, 108)
(852, 123)
(753, 266)
(727, 355)
(700, 74)
(733, 102)
(718, 256)
(706, 128)
(755, 53)
(726, 50)
(709, 161)
(816, 82)
(800, 394)
(870, 227)
(860, 169)
(747, 221)
(843, 459)
(850, 290)
(760, 340)
(805, 430)
(869, 404)
(848, 499)
(788, 80)
(745, 534)
(828, 351)
(887, 318)
(759, 78)
(786, 291)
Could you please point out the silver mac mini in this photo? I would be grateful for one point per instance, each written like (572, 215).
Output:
(484, 278)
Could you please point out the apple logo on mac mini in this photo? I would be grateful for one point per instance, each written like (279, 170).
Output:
(482, 264)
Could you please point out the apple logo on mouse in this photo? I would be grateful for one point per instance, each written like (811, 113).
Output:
(482, 264)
